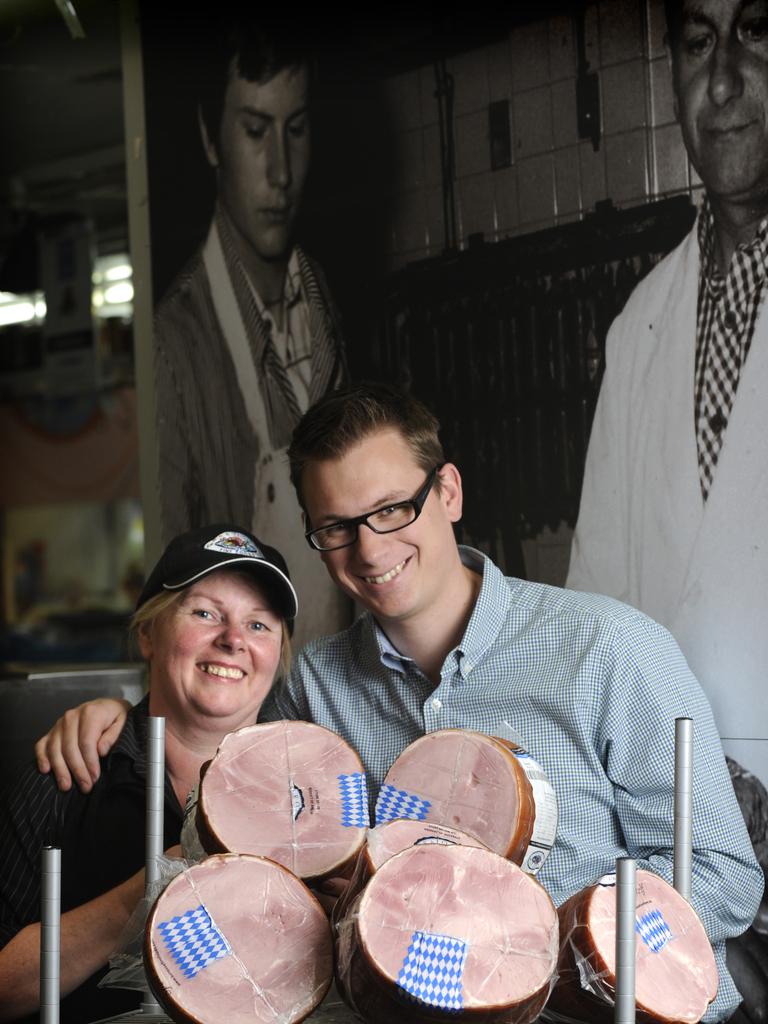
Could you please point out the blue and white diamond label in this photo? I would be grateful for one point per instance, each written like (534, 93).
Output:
(397, 803)
(354, 800)
(232, 543)
(433, 969)
(193, 940)
(653, 930)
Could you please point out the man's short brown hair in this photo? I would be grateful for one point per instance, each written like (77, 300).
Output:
(345, 417)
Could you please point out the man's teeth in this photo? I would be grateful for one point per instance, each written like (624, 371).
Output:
(221, 670)
(387, 575)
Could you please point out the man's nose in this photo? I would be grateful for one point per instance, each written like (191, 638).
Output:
(725, 77)
(369, 543)
(279, 168)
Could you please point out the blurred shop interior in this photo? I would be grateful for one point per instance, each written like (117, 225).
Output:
(508, 178)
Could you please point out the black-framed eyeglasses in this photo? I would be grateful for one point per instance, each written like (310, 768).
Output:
(382, 520)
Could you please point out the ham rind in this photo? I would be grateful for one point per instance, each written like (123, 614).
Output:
(448, 930)
(238, 939)
(676, 975)
(290, 791)
(384, 842)
(469, 781)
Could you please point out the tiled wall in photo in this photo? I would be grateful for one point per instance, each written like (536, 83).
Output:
(554, 176)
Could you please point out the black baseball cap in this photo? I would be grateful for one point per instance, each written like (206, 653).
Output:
(192, 555)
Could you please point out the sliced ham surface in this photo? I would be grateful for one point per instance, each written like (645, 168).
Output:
(238, 939)
(676, 975)
(448, 929)
(291, 791)
(480, 784)
(385, 841)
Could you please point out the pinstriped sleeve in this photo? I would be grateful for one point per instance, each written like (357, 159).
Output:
(27, 809)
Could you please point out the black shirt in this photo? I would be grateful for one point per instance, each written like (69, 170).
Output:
(101, 836)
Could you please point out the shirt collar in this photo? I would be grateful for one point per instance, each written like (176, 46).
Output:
(751, 257)
(485, 622)
(291, 287)
(132, 741)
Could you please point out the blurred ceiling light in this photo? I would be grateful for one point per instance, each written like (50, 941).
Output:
(16, 313)
(118, 273)
(118, 294)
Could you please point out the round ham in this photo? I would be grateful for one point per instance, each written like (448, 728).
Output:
(291, 791)
(385, 841)
(448, 929)
(483, 785)
(676, 975)
(238, 939)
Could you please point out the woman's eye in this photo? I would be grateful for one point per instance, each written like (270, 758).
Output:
(257, 627)
(202, 613)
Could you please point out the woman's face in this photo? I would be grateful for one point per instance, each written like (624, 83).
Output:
(213, 655)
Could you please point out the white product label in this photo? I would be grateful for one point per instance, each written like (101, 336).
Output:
(545, 824)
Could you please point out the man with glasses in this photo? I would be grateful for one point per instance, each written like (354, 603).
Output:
(589, 686)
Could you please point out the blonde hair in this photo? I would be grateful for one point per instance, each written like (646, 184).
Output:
(145, 617)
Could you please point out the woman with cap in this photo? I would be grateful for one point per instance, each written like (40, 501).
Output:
(213, 624)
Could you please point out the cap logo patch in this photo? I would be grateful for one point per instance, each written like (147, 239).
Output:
(234, 544)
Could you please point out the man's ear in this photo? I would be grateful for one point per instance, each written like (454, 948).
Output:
(208, 144)
(451, 493)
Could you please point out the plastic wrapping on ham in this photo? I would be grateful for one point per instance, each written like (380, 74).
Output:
(676, 975)
(291, 791)
(238, 939)
(384, 842)
(448, 930)
(484, 785)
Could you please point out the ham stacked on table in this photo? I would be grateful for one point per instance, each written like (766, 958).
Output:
(448, 930)
(483, 785)
(675, 971)
(238, 939)
(442, 918)
(290, 791)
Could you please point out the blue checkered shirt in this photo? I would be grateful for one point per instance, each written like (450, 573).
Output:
(593, 687)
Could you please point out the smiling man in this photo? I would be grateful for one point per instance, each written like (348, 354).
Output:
(672, 516)
(591, 686)
(247, 337)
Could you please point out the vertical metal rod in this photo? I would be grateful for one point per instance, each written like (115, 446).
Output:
(154, 824)
(626, 902)
(683, 806)
(50, 935)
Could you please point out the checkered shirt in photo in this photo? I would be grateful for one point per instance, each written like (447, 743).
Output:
(725, 322)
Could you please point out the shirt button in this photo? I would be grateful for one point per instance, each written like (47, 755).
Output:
(437, 703)
(729, 319)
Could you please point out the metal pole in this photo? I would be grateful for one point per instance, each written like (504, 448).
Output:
(154, 826)
(626, 902)
(50, 935)
(683, 806)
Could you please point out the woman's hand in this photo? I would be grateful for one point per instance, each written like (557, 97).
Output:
(74, 744)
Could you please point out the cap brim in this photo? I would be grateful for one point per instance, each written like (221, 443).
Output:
(292, 608)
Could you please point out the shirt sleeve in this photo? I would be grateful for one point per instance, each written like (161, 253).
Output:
(28, 812)
(649, 685)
